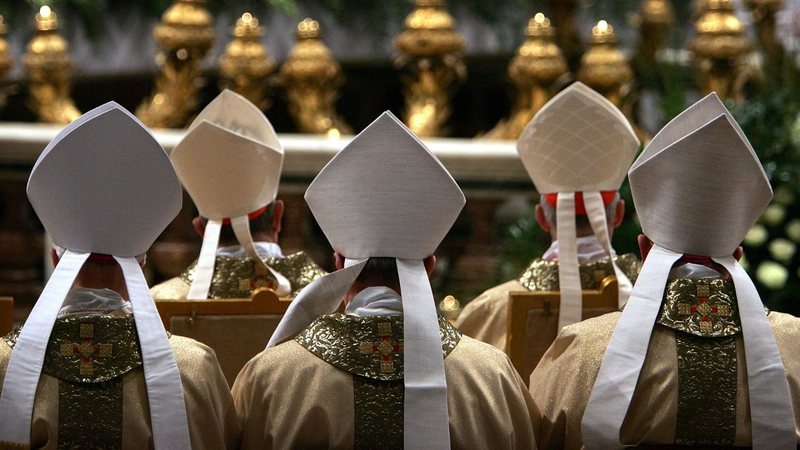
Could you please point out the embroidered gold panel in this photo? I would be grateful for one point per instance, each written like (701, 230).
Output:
(235, 277)
(378, 413)
(542, 275)
(705, 317)
(371, 349)
(89, 355)
(701, 307)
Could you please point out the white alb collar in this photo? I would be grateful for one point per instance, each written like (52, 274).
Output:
(87, 301)
(589, 250)
(375, 301)
(264, 249)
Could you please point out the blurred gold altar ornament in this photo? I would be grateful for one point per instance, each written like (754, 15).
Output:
(6, 62)
(430, 59)
(654, 20)
(185, 34)
(719, 45)
(311, 78)
(604, 67)
(764, 15)
(534, 69)
(245, 66)
(49, 65)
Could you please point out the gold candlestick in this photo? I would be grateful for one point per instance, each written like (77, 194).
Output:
(718, 47)
(537, 64)
(6, 62)
(431, 64)
(312, 78)
(655, 19)
(245, 66)
(764, 12)
(562, 13)
(185, 35)
(603, 66)
(49, 65)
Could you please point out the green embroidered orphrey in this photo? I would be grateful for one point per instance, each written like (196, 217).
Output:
(705, 317)
(371, 350)
(541, 275)
(89, 356)
(235, 277)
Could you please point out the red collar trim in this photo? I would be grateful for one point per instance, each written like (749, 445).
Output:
(250, 216)
(580, 208)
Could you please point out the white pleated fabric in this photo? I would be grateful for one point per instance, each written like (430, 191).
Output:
(27, 359)
(698, 187)
(578, 142)
(204, 269)
(230, 163)
(386, 195)
(616, 380)
(103, 185)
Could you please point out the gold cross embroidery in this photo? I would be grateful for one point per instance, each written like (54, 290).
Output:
(87, 349)
(247, 284)
(705, 310)
(384, 346)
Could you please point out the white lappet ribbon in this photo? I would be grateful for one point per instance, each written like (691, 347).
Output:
(426, 419)
(771, 412)
(204, 269)
(569, 278)
(162, 378)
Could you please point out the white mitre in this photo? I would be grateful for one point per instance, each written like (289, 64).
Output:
(386, 195)
(698, 187)
(578, 146)
(230, 163)
(103, 185)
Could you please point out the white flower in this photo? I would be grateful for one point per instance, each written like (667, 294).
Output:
(772, 275)
(782, 249)
(756, 236)
(773, 215)
(793, 230)
(783, 195)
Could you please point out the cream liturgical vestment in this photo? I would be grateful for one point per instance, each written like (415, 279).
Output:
(694, 359)
(89, 369)
(390, 373)
(576, 150)
(230, 163)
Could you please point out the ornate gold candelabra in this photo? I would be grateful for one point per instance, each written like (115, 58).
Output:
(562, 13)
(431, 64)
(6, 62)
(603, 66)
(50, 68)
(245, 66)
(312, 78)
(718, 47)
(655, 19)
(537, 64)
(764, 12)
(185, 35)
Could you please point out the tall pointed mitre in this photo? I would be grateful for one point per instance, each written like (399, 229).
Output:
(386, 195)
(230, 162)
(698, 187)
(103, 186)
(577, 150)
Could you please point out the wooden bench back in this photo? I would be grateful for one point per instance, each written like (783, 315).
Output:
(237, 329)
(533, 321)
